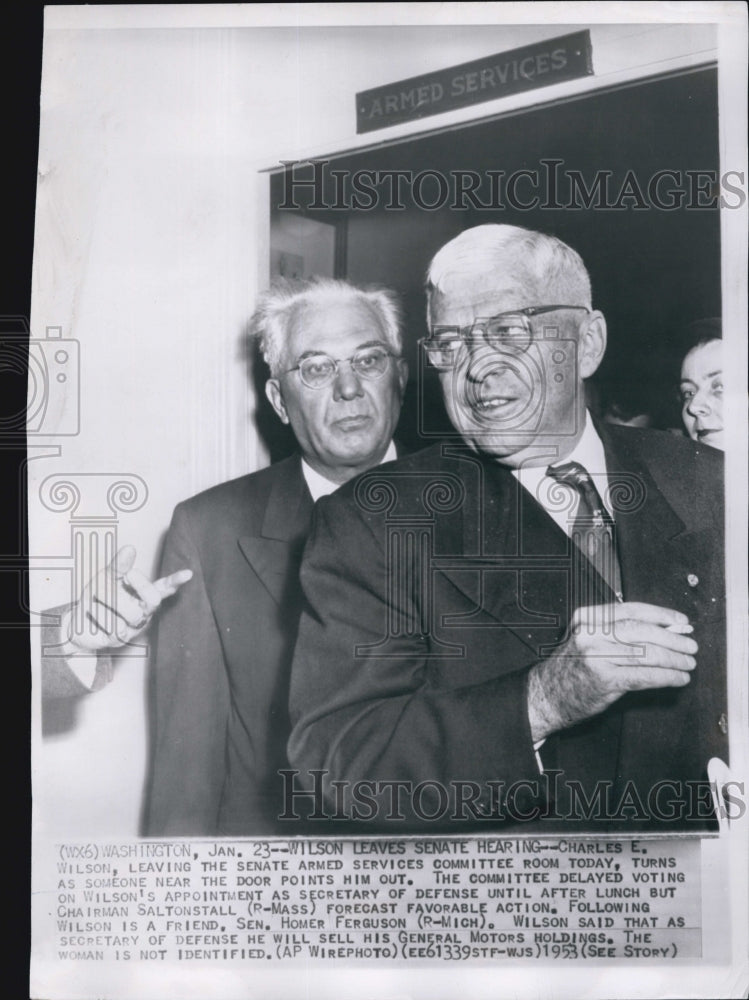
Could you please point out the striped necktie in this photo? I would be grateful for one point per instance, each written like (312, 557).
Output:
(593, 531)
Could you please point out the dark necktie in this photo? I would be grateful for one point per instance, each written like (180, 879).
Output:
(592, 532)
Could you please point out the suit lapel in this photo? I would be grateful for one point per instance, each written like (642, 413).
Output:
(651, 538)
(526, 587)
(532, 592)
(657, 554)
(275, 552)
(521, 578)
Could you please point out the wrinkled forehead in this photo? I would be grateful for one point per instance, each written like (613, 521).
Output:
(331, 325)
(460, 299)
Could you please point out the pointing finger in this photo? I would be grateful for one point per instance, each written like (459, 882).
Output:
(169, 585)
(146, 591)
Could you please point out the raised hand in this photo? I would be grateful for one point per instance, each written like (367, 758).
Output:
(117, 605)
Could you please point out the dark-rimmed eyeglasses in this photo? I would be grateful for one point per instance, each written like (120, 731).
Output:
(508, 332)
(318, 370)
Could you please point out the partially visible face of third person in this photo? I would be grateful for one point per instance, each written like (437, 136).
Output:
(343, 415)
(701, 392)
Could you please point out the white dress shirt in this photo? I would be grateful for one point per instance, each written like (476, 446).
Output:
(319, 486)
(590, 454)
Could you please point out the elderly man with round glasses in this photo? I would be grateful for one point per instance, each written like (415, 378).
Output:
(224, 641)
(228, 598)
(524, 625)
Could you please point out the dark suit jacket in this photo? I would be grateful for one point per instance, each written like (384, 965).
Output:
(58, 679)
(434, 583)
(223, 653)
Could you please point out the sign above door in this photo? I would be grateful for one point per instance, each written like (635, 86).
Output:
(550, 61)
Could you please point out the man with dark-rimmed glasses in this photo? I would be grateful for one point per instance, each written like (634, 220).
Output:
(524, 625)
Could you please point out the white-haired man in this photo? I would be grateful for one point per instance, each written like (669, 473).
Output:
(224, 644)
(526, 624)
(224, 641)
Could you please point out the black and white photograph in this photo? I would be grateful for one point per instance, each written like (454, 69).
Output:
(386, 490)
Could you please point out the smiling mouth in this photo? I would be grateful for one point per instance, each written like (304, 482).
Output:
(495, 402)
(496, 406)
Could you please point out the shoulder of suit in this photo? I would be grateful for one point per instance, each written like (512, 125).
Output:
(368, 495)
(248, 491)
(425, 460)
(689, 474)
(668, 451)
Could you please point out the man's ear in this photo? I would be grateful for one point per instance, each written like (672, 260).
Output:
(591, 343)
(275, 397)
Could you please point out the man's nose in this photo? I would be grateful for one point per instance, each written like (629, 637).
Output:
(483, 360)
(347, 384)
(698, 405)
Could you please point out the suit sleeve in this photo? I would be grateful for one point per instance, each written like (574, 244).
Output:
(190, 701)
(60, 678)
(365, 717)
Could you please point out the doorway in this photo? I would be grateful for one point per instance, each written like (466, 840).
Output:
(629, 177)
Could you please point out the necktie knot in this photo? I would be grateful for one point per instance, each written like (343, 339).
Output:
(575, 475)
(571, 473)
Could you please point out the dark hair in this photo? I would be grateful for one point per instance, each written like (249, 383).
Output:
(700, 332)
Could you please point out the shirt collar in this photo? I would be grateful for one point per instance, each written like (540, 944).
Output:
(319, 486)
(588, 451)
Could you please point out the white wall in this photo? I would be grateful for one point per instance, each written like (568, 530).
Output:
(151, 243)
